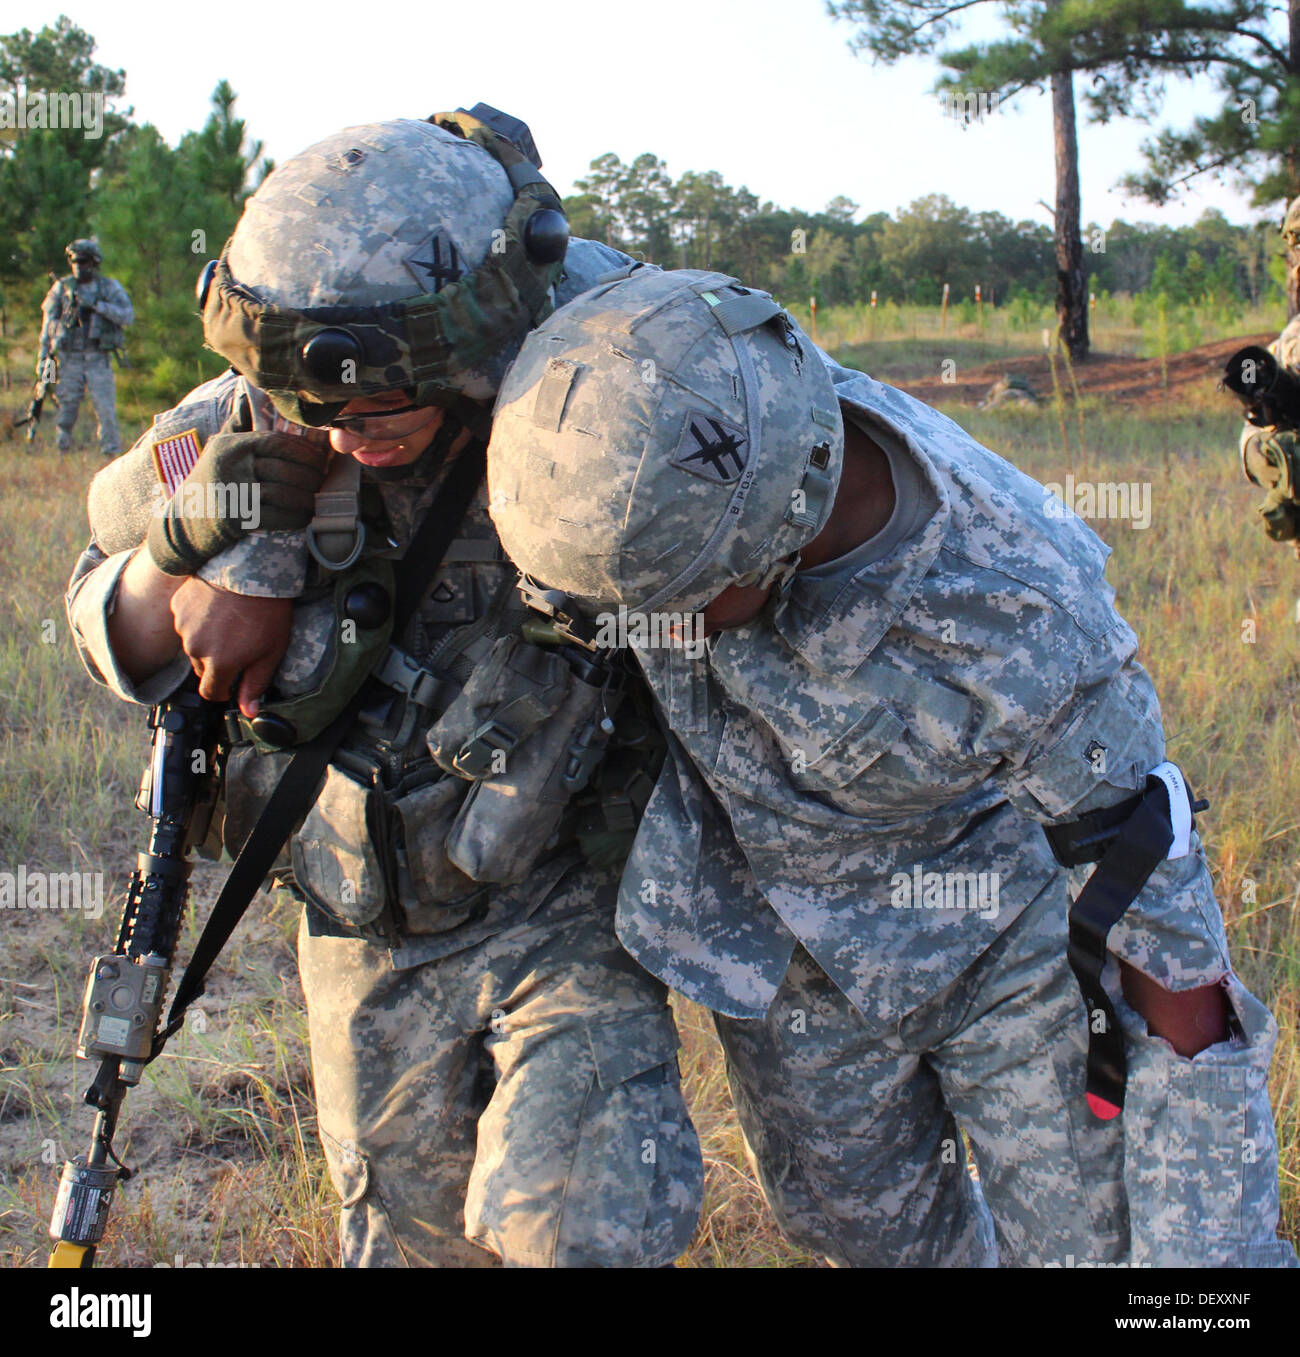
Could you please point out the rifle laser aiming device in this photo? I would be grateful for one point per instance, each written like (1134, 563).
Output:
(124, 994)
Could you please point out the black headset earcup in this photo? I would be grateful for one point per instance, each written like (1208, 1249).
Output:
(325, 353)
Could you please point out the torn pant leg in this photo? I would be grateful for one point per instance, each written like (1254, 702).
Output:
(1201, 1161)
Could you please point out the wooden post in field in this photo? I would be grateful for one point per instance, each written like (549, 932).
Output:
(873, 313)
(979, 307)
(943, 311)
(812, 311)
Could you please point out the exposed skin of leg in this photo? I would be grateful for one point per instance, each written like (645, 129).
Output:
(1189, 1021)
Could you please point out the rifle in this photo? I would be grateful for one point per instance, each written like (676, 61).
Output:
(125, 991)
(42, 389)
(47, 379)
(1268, 392)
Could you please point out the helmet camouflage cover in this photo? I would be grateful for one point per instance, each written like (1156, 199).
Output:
(661, 438)
(82, 248)
(402, 238)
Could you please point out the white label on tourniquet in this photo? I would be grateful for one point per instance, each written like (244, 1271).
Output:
(1180, 808)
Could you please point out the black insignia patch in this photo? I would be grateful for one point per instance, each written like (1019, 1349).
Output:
(711, 448)
(1095, 753)
(436, 261)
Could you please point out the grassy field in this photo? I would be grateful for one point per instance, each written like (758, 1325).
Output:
(223, 1127)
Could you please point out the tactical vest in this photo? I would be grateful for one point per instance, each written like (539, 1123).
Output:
(88, 331)
(479, 758)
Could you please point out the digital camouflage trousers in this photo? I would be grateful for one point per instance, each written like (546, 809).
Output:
(516, 1100)
(858, 1143)
(90, 371)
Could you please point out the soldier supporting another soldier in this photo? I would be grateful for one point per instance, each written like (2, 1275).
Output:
(84, 316)
(495, 1077)
(911, 672)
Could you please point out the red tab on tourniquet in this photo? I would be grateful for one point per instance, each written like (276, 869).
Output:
(1102, 1107)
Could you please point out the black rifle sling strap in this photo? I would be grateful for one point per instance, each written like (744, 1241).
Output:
(298, 783)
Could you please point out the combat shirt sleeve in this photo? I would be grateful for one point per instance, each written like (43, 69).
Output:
(1094, 749)
(125, 493)
(116, 305)
(91, 598)
(50, 309)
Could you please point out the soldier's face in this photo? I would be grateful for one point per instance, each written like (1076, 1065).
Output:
(376, 436)
(83, 270)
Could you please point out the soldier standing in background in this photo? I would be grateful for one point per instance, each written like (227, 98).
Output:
(84, 316)
(1270, 450)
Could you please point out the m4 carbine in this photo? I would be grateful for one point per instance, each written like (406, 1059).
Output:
(125, 992)
(42, 389)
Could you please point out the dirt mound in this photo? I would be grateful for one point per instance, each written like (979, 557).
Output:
(1117, 377)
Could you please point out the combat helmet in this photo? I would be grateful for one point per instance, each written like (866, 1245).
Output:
(401, 255)
(82, 248)
(660, 438)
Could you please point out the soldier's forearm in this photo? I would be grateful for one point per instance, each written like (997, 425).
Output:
(140, 628)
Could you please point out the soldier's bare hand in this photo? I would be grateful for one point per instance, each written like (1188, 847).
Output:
(231, 636)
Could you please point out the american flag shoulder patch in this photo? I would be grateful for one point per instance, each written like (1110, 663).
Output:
(174, 457)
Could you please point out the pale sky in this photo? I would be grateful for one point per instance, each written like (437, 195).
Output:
(764, 91)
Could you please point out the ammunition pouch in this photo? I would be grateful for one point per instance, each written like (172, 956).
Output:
(528, 730)
(338, 854)
(375, 859)
(1270, 458)
(1281, 515)
(433, 895)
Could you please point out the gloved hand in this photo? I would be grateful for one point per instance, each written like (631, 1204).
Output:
(283, 473)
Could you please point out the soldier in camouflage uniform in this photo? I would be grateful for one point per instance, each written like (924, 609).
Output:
(495, 1076)
(83, 319)
(912, 665)
(1270, 455)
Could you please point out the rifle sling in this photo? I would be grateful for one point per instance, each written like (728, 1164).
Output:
(298, 784)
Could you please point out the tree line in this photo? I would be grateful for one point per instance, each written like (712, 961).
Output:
(159, 211)
(700, 221)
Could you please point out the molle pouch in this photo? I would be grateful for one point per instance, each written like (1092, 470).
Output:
(510, 817)
(433, 894)
(363, 620)
(516, 688)
(339, 853)
(249, 780)
(1281, 515)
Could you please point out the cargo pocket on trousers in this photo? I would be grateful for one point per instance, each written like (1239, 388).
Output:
(366, 1234)
(638, 1171)
(1098, 1146)
(336, 854)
